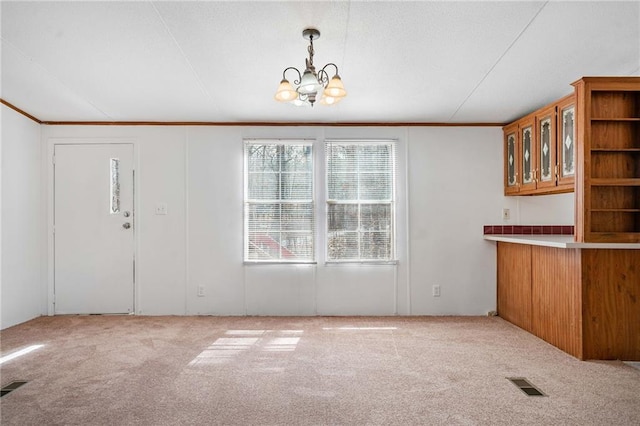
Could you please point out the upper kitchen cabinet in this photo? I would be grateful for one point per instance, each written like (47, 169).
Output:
(608, 140)
(545, 165)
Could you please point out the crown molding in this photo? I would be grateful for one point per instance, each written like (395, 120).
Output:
(248, 123)
(19, 111)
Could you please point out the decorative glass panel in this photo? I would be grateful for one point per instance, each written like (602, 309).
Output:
(545, 150)
(511, 159)
(114, 169)
(568, 142)
(527, 172)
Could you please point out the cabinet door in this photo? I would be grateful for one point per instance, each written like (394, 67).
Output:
(511, 156)
(528, 154)
(514, 283)
(546, 148)
(566, 141)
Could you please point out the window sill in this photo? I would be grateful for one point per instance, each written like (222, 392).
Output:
(276, 262)
(361, 262)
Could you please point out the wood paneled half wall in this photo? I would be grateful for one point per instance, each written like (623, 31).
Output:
(583, 301)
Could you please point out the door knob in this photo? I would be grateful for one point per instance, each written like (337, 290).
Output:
(126, 214)
(126, 225)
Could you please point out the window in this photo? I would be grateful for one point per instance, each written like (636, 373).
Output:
(360, 200)
(278, 199)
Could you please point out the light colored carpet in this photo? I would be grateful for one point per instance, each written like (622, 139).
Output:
(110, 370)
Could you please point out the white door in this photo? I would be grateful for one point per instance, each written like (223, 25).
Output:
(93, 229)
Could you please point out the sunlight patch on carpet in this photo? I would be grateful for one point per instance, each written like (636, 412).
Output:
(20, 353)
(224, 349)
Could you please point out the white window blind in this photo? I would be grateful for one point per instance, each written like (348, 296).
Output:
(279, 205)
(360, 200)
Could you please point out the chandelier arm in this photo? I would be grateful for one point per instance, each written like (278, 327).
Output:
(330, 64)
(296, 70)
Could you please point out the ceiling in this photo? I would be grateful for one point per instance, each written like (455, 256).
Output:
(444, 62)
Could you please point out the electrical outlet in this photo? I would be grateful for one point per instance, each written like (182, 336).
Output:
(436, 291)
(200, 291)
(506, 214)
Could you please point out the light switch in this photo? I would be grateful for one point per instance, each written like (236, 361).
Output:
(161, 208)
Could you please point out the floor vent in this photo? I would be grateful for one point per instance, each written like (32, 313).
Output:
(11, 387)
(525, 386)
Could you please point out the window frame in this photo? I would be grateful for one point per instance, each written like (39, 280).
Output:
(247, 201)
(392, 260)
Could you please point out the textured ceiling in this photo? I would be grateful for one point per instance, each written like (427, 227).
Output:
(222, 61)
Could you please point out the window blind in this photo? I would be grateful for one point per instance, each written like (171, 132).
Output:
(279, 205)
(360, 200)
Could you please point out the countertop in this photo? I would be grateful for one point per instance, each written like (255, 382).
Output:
(559, 241)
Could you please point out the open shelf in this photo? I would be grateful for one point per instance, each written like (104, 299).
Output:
(615, 164)
(615, 221)
(614, 119)
(615, 104)
(615, 150)
(615, 198)
(615, 182)
(617, 210)
(615, 237)
(615, 134)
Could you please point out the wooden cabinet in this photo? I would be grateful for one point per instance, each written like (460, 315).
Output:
(544, 165)
(583, 301)
(608, 117)
(514, 284)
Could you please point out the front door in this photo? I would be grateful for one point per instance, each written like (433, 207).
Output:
(93, 229)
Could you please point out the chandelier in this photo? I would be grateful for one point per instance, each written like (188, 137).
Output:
(310, 86)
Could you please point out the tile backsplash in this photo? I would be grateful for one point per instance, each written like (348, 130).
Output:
(528, 229)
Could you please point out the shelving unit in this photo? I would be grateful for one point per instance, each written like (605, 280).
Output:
(608, 192)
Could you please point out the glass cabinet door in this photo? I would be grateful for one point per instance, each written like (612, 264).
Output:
(527, 155)
(546, 147)
(568, 142)
(527, 169)
(511, 159)
(545, 150)
(512, 178)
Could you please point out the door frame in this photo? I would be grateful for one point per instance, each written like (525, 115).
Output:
(48, 159)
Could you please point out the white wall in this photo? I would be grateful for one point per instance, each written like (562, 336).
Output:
(23, 289)
(455, 187)
(450, 185)
(544, 210)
